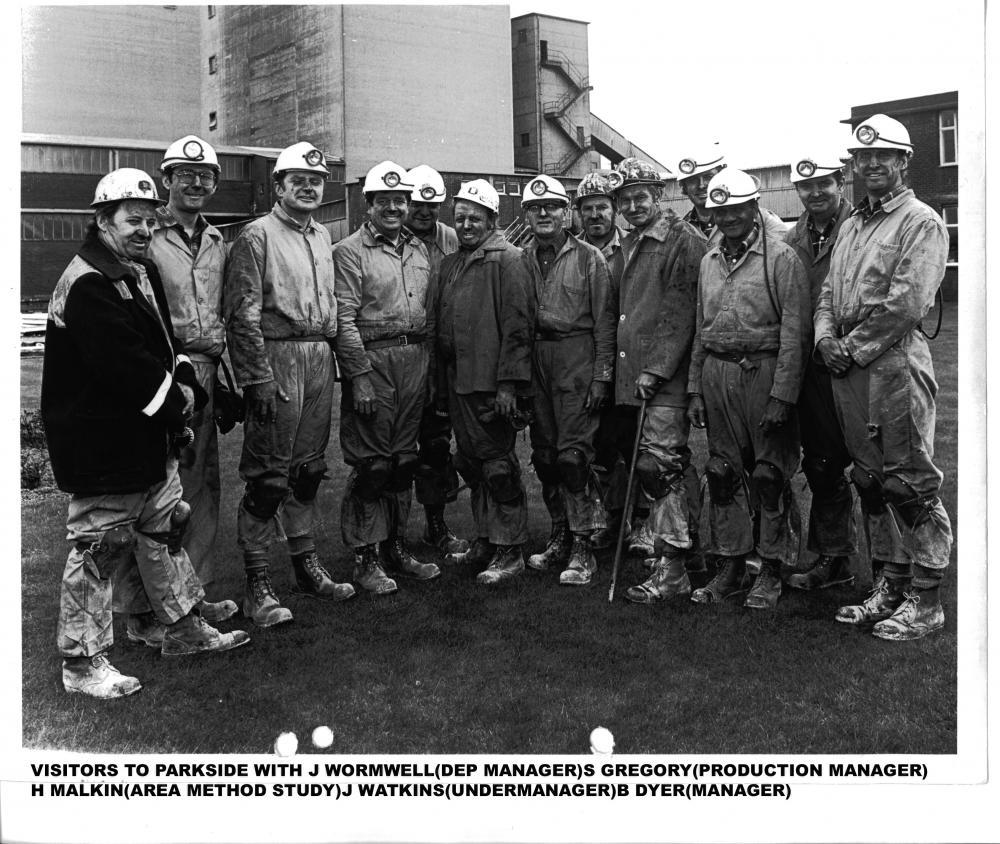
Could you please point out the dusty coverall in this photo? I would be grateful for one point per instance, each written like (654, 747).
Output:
(485, 330)
(654, 293)
(386, 325)
(884, 274)
(192, 275)
(749, 347)
(574, 345)
(281, 318)
(824, 453)
(436, 482)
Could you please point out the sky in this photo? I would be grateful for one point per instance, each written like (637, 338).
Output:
(769, 80)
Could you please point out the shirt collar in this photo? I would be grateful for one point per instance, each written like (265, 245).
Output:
(733, 254)
(282, 215)
(866, 209)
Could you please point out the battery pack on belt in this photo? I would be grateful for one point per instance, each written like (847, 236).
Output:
(401, 340)
(548, 334)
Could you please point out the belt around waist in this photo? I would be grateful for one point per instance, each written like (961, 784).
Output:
(401, 340)
(308, 338)
(740, 357)
(548, 334)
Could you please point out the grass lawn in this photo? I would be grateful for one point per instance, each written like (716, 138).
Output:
(531, 667)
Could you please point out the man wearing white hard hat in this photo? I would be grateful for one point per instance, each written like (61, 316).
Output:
(886, 268)
(384, 291)
(572, 367)
(747, 359)
(191, 257)
(819, 181)
(281, 316)
(654, 294)
(116, 396)
(484, 339)
(435, 480)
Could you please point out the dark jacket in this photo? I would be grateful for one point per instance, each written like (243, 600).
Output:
(817, 266)
(110, 394)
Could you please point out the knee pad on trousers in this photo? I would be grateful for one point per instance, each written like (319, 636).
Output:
(503, 479)
(435, 452)
(263, 496)
(470, 470)
(573, 469)
(654, 482)
(722, 480)
(402, 473)
(825, 478)
(373, 473)
(546, 463)
(769, 483)
(113, 547)
(913, 509)
(308, 478)
(869, 491)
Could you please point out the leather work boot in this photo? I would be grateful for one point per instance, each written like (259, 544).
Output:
(401, 561)
(607, 537)
(260, 604)
(192, 635)
(480, 552)
(507, 562)
(669, 580)
(315, 580)
(213, 613)
(881, 603)
(766, 588)
(920, 613)
(557, 550)
(582, 563)
(369, 574)
(440, 536)
(95, 676)
(729, 580)
(145, 629)
(828, 571)
(640, 540)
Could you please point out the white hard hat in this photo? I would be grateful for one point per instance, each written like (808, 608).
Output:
(387, 175)
(190, 150)
(881, 132)
(731, 187)
(700, 162)
(428, 186)
(544, 189)
(812, 167)
(126, 183)
(481, 192)
(301, 156)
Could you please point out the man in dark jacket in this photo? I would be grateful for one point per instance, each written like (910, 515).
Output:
(115, 399)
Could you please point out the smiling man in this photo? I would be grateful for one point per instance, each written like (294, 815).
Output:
(886, 268)
(385, 288)
(282, 319)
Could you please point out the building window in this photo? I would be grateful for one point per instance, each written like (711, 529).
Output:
(501, 187)
(525, 139)
(948, 135)
(211, 12)
(513, 188)
(213, 121)
(950, 215)
(213, 64)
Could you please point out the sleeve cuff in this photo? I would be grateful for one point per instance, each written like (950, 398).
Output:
(161, 396)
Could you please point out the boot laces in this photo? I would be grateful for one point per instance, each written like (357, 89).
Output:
(314, 568)
(101, 661)
(262, 588)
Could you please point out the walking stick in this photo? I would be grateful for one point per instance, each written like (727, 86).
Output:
(627, 512)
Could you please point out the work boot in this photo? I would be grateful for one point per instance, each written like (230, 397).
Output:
(401, 561)
(556, 551)
(640, 540)
(260, 604)
(607, 537)
(192, 635)
(213, 613)
(582, 563)
(766, 588)
(507, 562)
(479, 554)
(920, 613)
(828, 571)
(315, 580)
(369, 574)
(669, 580)
(754, 564)
(881, 603)
(439, 535)
(145, 629)
(694, 560)
(729, 580)
(97, 677)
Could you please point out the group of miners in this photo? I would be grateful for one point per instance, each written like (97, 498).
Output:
(787, 346)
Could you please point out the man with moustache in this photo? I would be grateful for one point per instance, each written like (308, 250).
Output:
(819, 182)
(116, 396)
(572, 370)
(885, 271)
(435, 481)
(385, 288)
(282, 319)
